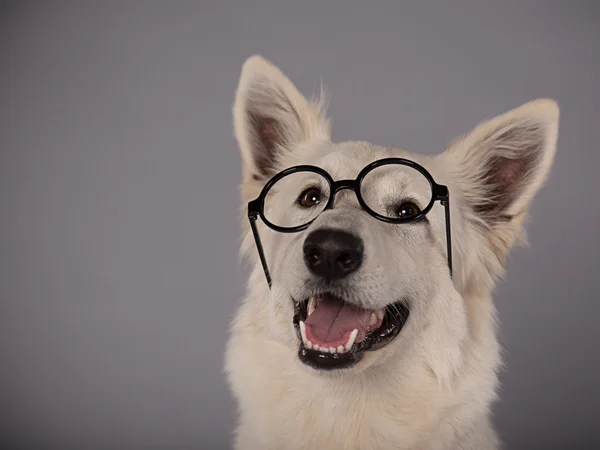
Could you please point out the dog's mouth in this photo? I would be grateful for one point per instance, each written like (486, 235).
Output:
(334, 334)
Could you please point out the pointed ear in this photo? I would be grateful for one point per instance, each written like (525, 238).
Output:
(500, 166)
(271, 118)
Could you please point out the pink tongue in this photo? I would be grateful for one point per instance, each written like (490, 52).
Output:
(333, 319)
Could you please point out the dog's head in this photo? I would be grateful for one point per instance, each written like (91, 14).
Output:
(351, 290)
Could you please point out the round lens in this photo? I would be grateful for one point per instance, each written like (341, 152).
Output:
(396, 191)
(296, 199)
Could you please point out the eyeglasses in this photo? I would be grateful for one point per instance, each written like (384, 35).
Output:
(292, 200)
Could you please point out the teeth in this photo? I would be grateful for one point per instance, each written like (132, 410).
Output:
(376, 316)
(351, 339)
(340, 349)
(312, 305)
(303, 332)
(372, 320)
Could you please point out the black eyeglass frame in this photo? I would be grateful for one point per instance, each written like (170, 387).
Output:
(256, 207)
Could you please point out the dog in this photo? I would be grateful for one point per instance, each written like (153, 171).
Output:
(368, 320)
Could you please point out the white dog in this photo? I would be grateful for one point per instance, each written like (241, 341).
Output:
(364, 326)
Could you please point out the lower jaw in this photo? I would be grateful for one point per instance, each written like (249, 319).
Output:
(329, 361)
(395, 317)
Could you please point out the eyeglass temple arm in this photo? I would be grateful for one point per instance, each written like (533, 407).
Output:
(253, 217)
(444, 197)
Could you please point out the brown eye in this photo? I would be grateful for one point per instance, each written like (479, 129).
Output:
(310, 198)
(407, 210)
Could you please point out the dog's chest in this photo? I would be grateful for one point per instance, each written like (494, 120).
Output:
(354, 419)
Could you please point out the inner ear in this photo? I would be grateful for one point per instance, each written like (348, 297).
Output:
(267, 136)
(510, 168)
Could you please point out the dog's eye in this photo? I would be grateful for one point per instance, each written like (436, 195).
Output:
(310, 197)
(407, 210)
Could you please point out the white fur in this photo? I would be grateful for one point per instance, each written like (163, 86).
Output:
(434, 385)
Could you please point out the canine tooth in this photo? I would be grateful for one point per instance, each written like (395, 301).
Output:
(303, 332)
(312, 305)
(309, 345)
(351, 340)
(373, 319)
(340, 349)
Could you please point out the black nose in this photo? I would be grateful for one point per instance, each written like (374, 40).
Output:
(332, 254)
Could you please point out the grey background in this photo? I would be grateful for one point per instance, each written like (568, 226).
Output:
(119, 198)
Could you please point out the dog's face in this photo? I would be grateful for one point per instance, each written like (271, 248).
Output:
(354, 279)
(351, 290)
